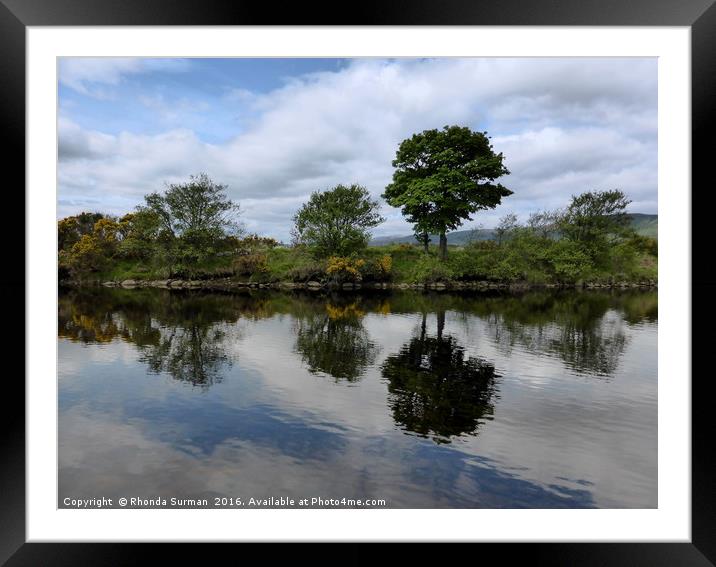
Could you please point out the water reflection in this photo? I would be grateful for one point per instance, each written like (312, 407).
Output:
(186, 334)
(192, 354)
(435, 389)
(334, 341)
(455, 400)
(182, 335)
(584, 330)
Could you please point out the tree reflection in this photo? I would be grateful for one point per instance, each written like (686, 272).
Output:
(185, 333)
(192, 354)
(585, 330)
(435, 389)
(181, 334)
(334, 341)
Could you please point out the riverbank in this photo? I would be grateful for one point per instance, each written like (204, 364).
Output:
(479, 266)
(228, 284)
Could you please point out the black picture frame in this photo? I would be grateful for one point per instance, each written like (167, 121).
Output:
(699, 15)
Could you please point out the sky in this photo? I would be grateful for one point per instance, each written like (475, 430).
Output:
(276, 130)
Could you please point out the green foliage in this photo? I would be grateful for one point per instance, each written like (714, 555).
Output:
(292, 264)
(429, 269)
(644, 244)
(139, 246)
(645, 225)
(569, 262)
(191, 224)
(141, 233)
(595, 219)
(337, 221)
(250, 264)
(196, 210)
(443, 177)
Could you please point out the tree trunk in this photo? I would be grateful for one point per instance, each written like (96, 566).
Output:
(426, 242)
(441, 323)
(443, 246)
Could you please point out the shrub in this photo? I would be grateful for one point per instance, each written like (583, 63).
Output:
(570, 263)
(250, 264)
(429, 269)
(644, 244)
(87, 254)
(379, 269)
(341, 269)
(306, 272)
(253, 243)
(472, 263)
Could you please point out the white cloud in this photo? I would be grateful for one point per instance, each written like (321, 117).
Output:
(564, 125)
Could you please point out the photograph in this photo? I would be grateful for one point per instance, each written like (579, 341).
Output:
(357, 282)
(424, 273)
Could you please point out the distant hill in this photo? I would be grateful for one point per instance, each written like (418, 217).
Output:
(646, 225)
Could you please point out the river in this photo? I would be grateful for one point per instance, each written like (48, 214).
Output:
(542, 399)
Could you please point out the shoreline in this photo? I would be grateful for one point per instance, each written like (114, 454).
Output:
(228, 284)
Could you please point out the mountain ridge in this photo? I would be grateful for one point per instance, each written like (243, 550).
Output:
(643, 223)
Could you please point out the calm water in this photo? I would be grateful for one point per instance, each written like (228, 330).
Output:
(537, 400)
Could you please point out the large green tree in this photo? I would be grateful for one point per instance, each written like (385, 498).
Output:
(442, 177)
(337, 221)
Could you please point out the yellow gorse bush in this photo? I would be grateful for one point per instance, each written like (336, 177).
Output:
(342, 268)
(384, 264)
(106, 229)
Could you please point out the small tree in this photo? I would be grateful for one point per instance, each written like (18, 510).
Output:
(442, 177)
(506, 227)
(194, 219)
(544, 223)
(337, 222)
(595, 219)
(198, 207)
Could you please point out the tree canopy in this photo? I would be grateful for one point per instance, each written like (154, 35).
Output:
(595, 217)
(191, 220)
(197, 207)
(337, 221)
(442, 177)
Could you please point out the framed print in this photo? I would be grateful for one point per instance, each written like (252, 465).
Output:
(290, 278)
